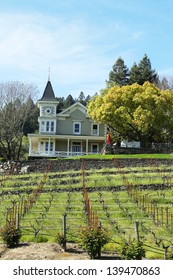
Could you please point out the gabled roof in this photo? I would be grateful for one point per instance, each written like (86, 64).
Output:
(72, 108)
(48, 94)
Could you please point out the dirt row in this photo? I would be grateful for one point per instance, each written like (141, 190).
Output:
(48, 251)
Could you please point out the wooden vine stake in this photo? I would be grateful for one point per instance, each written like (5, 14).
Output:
(64, 231)
(162, 215)
(166, 209)
(157, 216)
(136, 224)
(92, 217)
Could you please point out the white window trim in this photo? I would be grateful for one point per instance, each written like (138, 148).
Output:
(92, 129)
(79, 123)
(72, 144)
(44, 141)
(94, 144)
(43, 126)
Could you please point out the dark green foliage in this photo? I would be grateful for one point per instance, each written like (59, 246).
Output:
(132, 250)
(92, 239)
(135, 74)
(31, 123)
(119, 74)
(143, 72)
(68, 101)
(10, 235)
(139, 73)
(60, 106)
(81, 98)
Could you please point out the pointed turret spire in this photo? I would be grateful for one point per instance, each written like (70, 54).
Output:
(48, 94)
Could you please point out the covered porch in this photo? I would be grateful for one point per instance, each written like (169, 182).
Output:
(64, 146)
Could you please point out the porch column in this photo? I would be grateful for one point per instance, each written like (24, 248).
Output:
(30, 146)
(68, 146)
(86, 146)
(49, 147)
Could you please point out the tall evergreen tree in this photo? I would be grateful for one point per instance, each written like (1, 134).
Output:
(119, 74)
(164, 84)
(81, 98)
(60, 106)
(143, 72)
(87, 99)
(135, 75)
(69, 101)
(31, 123)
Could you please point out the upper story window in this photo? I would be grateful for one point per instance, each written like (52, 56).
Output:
(76, 128)
(48, 126)
(95, 129)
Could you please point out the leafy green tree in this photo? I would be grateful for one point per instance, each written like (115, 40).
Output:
(119, 74)
(135, 112)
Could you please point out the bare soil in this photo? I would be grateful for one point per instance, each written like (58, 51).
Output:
(47, 251)
(42, 251)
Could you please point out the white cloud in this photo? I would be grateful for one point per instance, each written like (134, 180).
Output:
(79, 54)
(32, 43)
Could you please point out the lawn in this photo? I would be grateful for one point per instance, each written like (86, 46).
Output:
(148, 156)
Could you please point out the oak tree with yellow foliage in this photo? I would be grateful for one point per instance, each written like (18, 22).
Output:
(136, 112)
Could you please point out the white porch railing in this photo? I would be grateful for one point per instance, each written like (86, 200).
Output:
(58, 154)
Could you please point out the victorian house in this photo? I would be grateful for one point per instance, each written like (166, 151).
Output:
(70, 132)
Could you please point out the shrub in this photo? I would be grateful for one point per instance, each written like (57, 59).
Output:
(61, 240)
(92, 239)
(10, 235)
(132, 250)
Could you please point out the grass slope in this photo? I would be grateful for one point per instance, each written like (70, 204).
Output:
(117, 210)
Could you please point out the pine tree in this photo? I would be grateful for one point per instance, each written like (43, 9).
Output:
(69, 101)
(60, 106)
(145, 72)
(81, 98)
(119, 74)
(165, 84)
(135, 75)
(87, 99)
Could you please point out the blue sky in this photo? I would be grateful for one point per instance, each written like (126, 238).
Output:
(81, 40)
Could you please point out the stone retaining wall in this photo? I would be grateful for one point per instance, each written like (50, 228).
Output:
(70, 164)
(60, 165)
